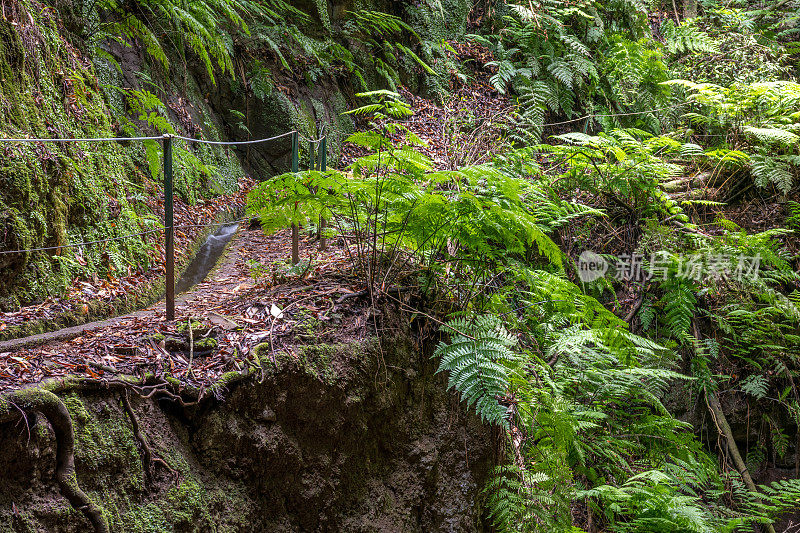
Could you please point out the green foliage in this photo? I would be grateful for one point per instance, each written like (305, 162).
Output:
(562, 59)
(379, 33)
(478, 360)
(680, 306)
(687, 38)
(623, 165)
(765, 123)
(630, 75)
(392, 200)
(183, 26)
(586, 392)
(793, 220)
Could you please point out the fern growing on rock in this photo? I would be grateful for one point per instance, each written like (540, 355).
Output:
(479, 360)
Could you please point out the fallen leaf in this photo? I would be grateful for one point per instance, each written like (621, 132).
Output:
(221, 321)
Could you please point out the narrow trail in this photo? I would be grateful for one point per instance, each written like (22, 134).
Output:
(204, 263)
(253, 295)
(111, 291)
(231, 307)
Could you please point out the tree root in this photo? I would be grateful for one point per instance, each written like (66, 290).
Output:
(52, 408)
(148, 457)
(43, 399)
(724, 429)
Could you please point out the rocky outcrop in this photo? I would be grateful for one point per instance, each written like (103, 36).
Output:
(347, 437)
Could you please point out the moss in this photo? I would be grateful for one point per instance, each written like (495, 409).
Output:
(316, 360)
(206, 343)
(107, 459)
(322, 11)
(30, 398)
(19, 523)
(105, 444)
(182, 326)
(51, 195)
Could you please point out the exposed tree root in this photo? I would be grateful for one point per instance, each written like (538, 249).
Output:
(148, 457)
(43, 399)
(51, 407)
(724, 429)
(725, 432)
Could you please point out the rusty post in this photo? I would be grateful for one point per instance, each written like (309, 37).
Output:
(295, 168)
(169, 245)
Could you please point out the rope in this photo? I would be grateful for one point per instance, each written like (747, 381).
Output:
(314, 141)
(322, 132)
(121, 139)
(90, 139)
(605, 116)
(81, 243)
(234, 143)
(121, 237)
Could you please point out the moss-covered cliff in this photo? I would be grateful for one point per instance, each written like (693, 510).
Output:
(346, 437)
(58, 193)
(107, 69)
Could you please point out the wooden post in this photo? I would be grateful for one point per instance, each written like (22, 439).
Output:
(323, 166)
(169, 245)
(295, 168)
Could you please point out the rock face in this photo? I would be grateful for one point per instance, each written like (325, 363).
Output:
(56, 82)
(342, 437)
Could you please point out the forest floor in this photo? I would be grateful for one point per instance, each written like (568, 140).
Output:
(191, 222)
(253, 295)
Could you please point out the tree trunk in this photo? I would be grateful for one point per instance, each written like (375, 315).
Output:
(724, 429)
(689, 9)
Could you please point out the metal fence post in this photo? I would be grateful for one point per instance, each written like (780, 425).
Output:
(323, 166)
(169, 247)
(295, 168)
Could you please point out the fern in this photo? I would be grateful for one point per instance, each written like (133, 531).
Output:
(687, 38)
(772, 170)
(755, 385)
(793, 220)
(764, 116)
(679, 306)
(479, 360)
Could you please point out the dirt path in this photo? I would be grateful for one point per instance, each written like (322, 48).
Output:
(112, 292)
(232, 307)
(156, 309)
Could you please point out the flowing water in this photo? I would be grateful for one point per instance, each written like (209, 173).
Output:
(206, 257)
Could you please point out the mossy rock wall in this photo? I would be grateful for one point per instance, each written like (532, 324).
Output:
(333, 437)
(54, 194)
(52, 84)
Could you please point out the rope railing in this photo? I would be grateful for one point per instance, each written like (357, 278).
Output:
(169, 226)
(130, 139)
(608, 115)
(123, 237)
(234, 143)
